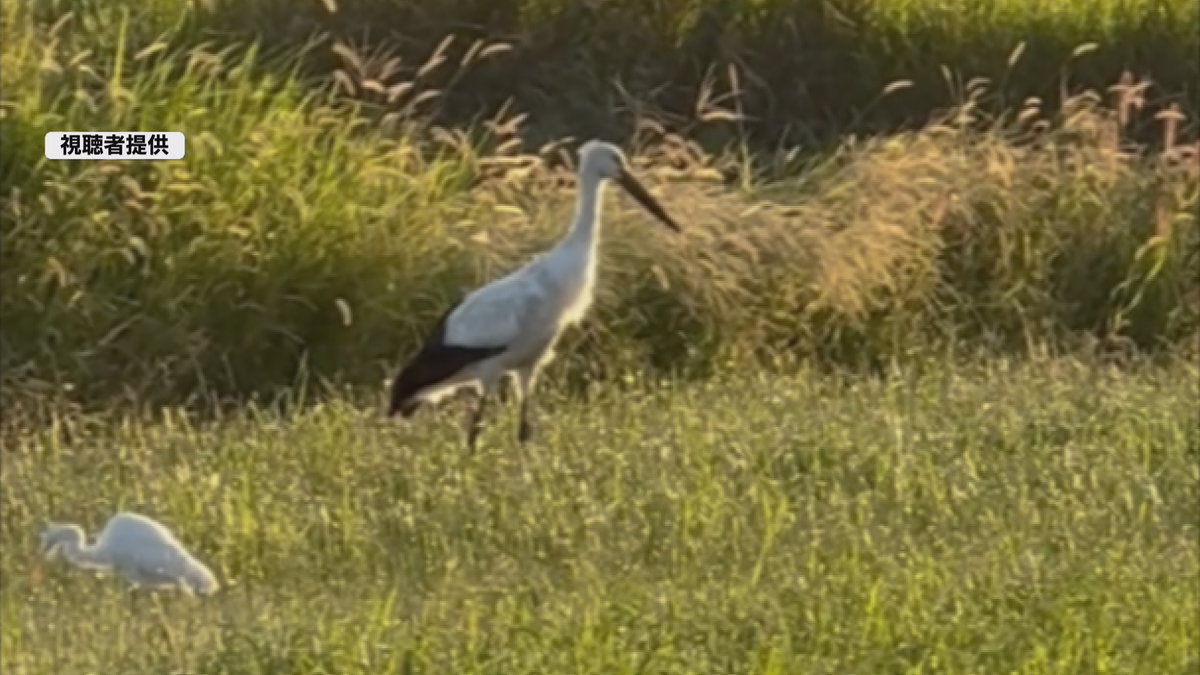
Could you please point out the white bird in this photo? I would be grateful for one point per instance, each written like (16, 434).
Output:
(510, 326)
(140, 549)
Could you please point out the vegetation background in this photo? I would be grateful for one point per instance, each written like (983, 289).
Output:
(352, 167)
(919, 376)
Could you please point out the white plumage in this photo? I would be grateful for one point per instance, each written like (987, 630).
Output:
(138, 548)
(510, 326)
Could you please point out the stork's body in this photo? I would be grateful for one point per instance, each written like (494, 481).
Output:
(510, 326)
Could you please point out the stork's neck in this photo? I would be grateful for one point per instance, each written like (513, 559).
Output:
(584, 234)
(82, 555)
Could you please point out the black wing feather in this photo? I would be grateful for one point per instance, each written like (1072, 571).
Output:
(435, 362)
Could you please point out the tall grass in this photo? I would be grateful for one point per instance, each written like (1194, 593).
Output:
(310, 232)
(808, 70)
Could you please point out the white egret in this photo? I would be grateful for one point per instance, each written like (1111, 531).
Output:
(140, 549)
(510, 326)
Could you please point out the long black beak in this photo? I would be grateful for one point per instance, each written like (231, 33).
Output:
(631, 185)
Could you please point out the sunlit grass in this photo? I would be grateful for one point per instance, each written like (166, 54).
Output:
(1023, 518)
(1035, 519)
(308, 233)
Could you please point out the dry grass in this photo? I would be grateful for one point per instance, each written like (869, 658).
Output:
(311, 234)
(809, 71)
(958, 516)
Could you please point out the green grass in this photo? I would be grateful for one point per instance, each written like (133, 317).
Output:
(307, 234)
(991, 518)
(809, 70)
(1019, 515)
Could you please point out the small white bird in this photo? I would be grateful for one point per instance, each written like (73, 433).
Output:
(138, 548)
(510, 326)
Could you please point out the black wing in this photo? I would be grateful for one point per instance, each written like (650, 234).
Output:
(434, 363)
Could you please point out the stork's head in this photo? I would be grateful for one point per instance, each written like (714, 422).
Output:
(600, 160)
(56, 536)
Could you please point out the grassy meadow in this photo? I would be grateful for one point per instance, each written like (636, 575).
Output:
(1001, 517)
(914, 393)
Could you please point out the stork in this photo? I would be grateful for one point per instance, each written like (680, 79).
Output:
(509, 327)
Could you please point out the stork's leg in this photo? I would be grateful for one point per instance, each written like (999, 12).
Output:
(525, 428)
(502, 388)
(526, 379)
(475, 423)
(130, 625)
(163, 624)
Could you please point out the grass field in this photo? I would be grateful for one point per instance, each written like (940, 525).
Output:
(318, 225)
(1000, 518)
(693, 504)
